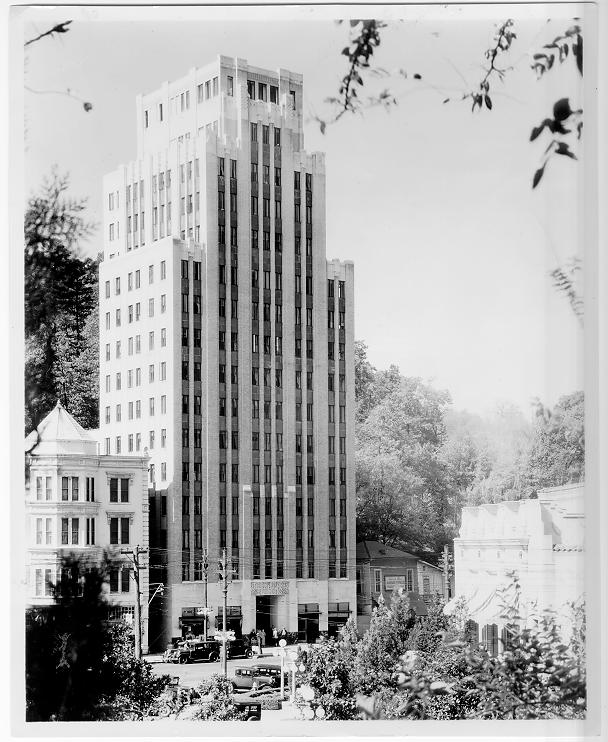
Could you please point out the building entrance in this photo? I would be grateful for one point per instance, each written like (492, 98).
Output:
(270, 611)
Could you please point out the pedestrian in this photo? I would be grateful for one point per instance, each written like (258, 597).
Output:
(263, 632)
(259, 638)
(275, 636)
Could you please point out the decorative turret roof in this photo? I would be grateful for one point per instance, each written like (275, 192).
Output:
(60, 433)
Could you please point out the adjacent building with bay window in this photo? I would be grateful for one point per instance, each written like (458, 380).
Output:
(83, 504)
(227, 352)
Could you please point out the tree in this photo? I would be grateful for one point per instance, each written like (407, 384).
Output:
(326, 675)
(59, 28)
(563, 125)
(364, 379)
(380, 648)
(60, 304)
(537, 675)
(557, 455)
(403, 485)
(78, 666)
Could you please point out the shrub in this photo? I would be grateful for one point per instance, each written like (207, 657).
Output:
(326, 677)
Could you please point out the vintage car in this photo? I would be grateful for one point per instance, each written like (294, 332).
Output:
(253, 711)
(193, 650)
(258, 676)
(240, 648)
(246, 678)
(270, 671)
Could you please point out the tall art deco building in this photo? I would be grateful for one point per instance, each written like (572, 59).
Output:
(227, 354)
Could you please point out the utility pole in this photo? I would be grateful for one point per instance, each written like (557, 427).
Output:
(205, 577)
(223, 575)
(135, 554)
(446, 573)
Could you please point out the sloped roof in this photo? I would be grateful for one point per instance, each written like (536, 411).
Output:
(378, 550)
(59, 432)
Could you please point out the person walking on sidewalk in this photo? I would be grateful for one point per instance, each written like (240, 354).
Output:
(275, 636)
(259, 640)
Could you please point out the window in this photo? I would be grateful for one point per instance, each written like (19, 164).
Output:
(377, 581)
(331, 413)
(277, 137)
(254, 127)
(119, 527)
(119, 486)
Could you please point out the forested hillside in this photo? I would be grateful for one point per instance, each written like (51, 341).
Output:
(419, 461)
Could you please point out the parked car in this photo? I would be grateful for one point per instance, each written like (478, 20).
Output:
(252, 710)
(271, 671)
(240, 648)
(246, 678)
(193, 651)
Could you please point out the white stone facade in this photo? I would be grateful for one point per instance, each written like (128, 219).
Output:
(540, 540)
(228, 275)
(70, 511)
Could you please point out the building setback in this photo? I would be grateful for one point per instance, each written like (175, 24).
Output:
(227, 353)
(81, 504)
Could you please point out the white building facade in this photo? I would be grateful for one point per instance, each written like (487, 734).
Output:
(82, 504)
(540, 540)
(227, 351)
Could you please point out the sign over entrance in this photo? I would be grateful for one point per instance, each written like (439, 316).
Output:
(270, 587)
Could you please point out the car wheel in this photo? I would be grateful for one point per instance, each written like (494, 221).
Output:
(253, 717)
(183, 659)
(248, 655)
(214, 657)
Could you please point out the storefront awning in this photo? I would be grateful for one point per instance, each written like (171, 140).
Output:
(451, 605)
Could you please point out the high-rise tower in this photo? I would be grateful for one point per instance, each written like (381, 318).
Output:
(227, 353)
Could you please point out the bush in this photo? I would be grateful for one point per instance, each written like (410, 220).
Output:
(326, 677)
(380, 648)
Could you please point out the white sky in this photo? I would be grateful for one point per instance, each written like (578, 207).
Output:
(452, 249)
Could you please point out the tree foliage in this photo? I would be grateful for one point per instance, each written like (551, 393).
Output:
(564, 125)
(327, 674)
(61, 334)
(418, 461)
(435, 671)
(78, 666)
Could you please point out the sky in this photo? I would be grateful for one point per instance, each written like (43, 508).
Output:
(432, 202)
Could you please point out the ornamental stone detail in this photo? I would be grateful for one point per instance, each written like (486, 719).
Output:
(270, 587)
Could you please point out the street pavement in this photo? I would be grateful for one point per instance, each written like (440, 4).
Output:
(192, 674)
